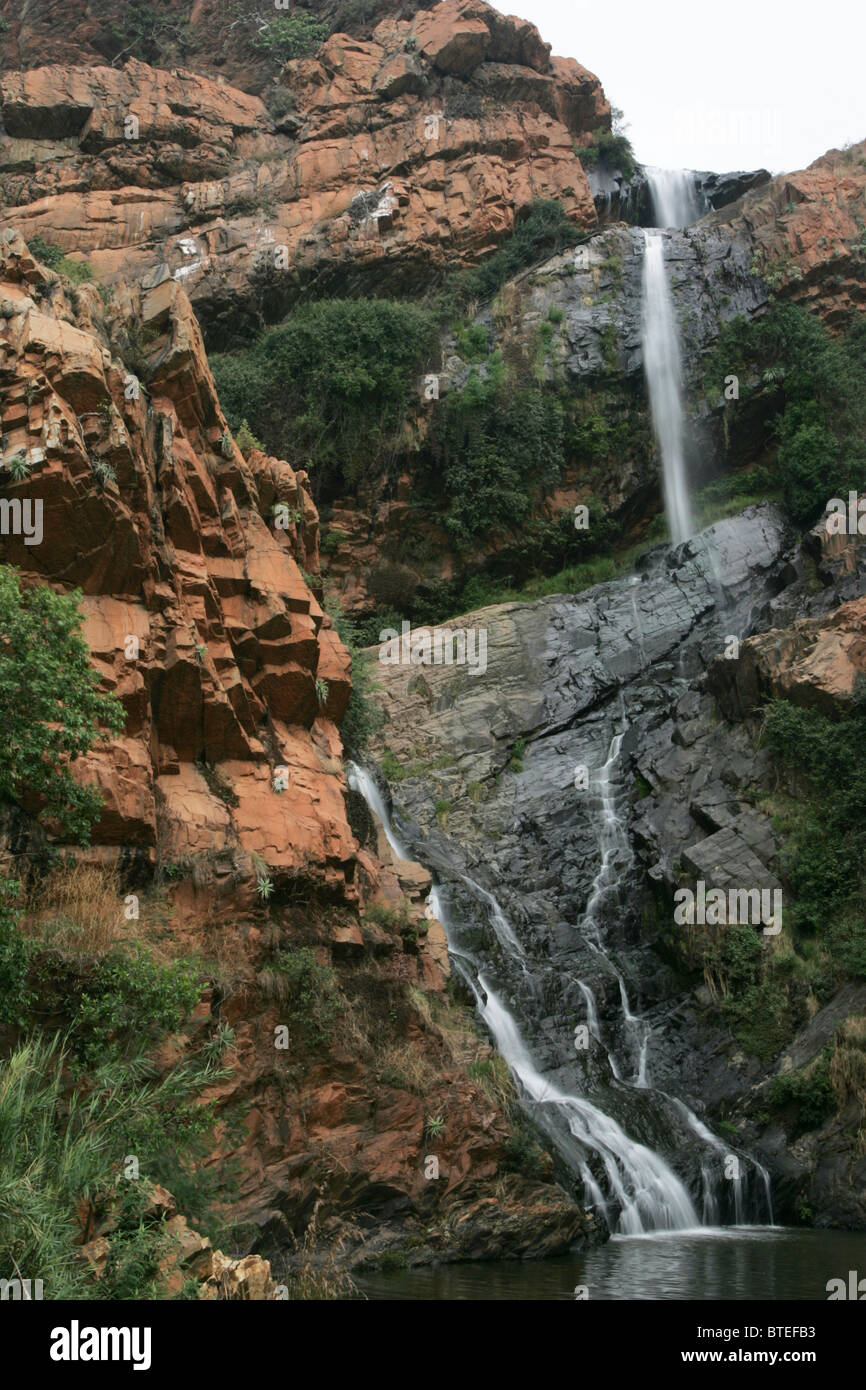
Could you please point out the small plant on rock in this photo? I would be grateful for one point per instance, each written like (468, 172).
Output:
(19, 467)
(103, 472)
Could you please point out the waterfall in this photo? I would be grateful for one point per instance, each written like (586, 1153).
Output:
(675, 197)
(648, 1194)
(360, 780)
(645, 1194)
(661, 354)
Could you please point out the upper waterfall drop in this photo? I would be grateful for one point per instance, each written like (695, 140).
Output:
(661, 354)
(675, 197)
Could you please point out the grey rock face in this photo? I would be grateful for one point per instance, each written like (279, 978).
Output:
(506, 798)
(588, 301)
(566, 676)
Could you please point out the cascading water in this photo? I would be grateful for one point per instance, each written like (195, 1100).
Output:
(675, 197)
(644, 1194)
(630, 1184)
(661, 354)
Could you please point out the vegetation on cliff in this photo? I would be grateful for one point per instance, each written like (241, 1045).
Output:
(818, 434)
(330, 388)
(51, 708)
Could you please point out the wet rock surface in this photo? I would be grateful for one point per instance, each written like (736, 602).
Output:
(498, 805)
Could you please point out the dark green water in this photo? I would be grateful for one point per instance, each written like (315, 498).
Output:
(760, 1264)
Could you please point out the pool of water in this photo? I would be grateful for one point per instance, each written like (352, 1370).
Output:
(746, 1262)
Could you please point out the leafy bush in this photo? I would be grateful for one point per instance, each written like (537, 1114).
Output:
(50, 707)
(56, 259)
(63, 1151)
(329, 389)
(291, 36)
(299, 980)
(363, 719)
(610, 150)
(15, 994)
(544, 230)
(522, 1153)
(150, 32)
(130, 1000)
(497, 446)
(820, 383)
(824, 857)
(808, 1088)
(246, 440)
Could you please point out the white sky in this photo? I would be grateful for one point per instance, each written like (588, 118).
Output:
(720, 84)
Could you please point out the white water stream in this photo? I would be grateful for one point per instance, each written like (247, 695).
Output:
(675, 197)
(661, 355)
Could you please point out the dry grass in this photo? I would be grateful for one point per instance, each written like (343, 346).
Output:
(78, 908)
(848, 1062)
(492, 1076)
(314, 1275)
(407, 1067)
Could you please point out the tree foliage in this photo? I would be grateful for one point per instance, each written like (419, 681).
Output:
(291, 36)
(497, 445)
(50, 705)
(824, 858)
(820, 383)
(329, 389)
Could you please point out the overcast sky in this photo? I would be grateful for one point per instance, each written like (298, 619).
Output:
(720, 84)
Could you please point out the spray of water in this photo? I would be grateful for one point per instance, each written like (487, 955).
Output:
(675, 197)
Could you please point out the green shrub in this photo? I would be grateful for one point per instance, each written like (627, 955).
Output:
(56, 259)
(329, 389)
(363, 719)
(809, 1089)
(544, 230)
(245, 439)
(63, 1150)
(15, 995)
(820, 383)
(50, 707)
(824, 857)
(517, 752)
(291, 36)
(523, 1154)
(130, 1000)
(309, 989)
(496, 447)
(609, 150)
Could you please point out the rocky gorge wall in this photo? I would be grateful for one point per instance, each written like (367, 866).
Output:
(412, 144)
(571, 324)
(392, 158)
(199, 615)
(489, 790)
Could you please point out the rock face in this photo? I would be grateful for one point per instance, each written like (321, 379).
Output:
(504, 812)
(187, 1255)
(797, 236)
(589, 300)
(214, 37)
(807, 233)
(200, 616)
(196, 608)
(395, 158)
